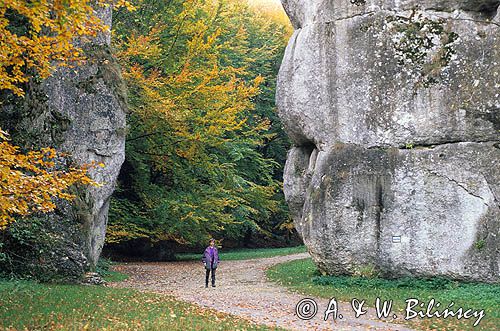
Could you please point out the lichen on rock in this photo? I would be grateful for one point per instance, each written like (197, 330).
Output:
(393, 109)
(424, 45)
(79, 110)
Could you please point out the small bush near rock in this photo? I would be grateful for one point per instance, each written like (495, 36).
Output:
(37, 250)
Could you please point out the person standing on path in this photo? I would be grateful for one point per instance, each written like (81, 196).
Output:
(210, 259)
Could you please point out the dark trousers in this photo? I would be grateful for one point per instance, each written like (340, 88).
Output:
(213, 276)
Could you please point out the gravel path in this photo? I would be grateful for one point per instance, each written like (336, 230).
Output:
(242, 289)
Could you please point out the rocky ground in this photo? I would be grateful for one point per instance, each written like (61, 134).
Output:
(243, 290)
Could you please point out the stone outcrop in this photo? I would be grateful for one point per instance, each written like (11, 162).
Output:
(394, 111)
(81, 111)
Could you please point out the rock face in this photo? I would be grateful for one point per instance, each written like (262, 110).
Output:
(80, 111)
(394, 111)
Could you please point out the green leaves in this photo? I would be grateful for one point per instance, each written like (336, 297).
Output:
(201, 80)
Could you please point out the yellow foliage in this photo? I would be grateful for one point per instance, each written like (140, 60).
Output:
(45, 36)
(29, 182)
(200, 82)
(272, 10)
(36, 36)
(117, 232)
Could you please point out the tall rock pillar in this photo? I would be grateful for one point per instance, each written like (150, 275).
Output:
(394, 111)
(81, 111)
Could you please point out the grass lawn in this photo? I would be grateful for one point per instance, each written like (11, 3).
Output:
(115, 276)
(104, 269)
(302, 276)
(246, 253)
(27, 305)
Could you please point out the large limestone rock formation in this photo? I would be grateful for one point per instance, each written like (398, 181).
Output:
(394, 111)
(80, 111)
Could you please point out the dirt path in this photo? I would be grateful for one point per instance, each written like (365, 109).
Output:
(243, 290)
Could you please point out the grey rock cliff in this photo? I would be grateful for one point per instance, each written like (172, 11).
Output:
(81, 111)
(394, 111)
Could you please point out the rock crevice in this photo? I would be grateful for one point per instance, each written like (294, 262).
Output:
(80, 111)
(393, 108)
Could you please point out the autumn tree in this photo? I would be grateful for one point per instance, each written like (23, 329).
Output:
(35, 38)
(199, 152)
(29, 182)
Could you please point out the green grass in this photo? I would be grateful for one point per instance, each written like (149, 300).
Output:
(115, 276)
(32, 306)
(302, 276)
(245, 253)
(104, 268)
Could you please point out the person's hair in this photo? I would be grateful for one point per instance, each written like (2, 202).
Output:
(212, 239)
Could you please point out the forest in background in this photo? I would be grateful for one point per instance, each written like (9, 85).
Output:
(205, 149)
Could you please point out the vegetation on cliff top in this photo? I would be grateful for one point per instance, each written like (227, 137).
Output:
(37, 36)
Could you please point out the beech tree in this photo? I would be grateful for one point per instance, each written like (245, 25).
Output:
(29, 182)
(199, 154)
(35, 38)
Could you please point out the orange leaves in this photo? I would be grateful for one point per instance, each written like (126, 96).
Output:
(191, 86)
(29, 182)
(44, 37)
(35, 36)
(119, 231)
(126, 4)
(48, 28)
(142, 46)
(270, 11)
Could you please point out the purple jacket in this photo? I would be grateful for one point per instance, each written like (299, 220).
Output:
(208, 259)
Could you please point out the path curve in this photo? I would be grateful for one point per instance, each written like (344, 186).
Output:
(243, 290)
